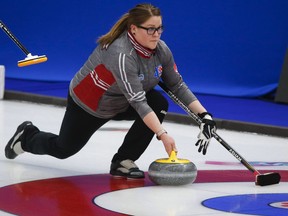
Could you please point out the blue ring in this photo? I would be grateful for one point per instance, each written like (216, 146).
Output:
(253, 204)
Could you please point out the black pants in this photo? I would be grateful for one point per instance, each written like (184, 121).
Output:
(78, 126)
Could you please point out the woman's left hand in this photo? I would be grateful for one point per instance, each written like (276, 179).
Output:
(207, 129)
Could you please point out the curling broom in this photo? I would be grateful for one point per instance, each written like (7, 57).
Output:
(261, 179)
(30, 59)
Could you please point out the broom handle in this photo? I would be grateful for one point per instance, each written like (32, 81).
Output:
(215, 135)
(13, 38)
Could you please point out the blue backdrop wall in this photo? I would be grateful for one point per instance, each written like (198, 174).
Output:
(222, 47)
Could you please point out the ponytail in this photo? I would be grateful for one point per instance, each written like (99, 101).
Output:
(137, 15)
(119, 27)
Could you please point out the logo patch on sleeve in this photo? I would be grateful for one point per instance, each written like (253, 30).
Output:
(158, 71)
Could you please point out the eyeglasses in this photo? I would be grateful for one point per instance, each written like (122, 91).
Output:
(152, 30)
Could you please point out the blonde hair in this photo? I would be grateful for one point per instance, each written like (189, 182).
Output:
(137, 15)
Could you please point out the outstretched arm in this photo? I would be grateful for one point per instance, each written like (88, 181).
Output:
(196, 107)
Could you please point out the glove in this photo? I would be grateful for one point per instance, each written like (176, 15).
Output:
(207, 129)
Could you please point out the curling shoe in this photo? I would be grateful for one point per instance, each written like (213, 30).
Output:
(13, 148)
(127, 169)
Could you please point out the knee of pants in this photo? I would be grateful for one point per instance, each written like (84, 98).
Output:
(65, 153)
(63, 156)
(160, 105)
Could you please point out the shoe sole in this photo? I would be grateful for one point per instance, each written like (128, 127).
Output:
(119, 175)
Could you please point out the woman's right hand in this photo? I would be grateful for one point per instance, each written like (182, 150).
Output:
(169, 143)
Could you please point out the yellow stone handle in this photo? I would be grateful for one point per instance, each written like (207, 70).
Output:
(173, 156)
(172, 159)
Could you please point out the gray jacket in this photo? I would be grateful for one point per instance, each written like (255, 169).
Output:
(120, 74)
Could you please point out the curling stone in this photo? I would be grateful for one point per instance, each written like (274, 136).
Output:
(172, 171)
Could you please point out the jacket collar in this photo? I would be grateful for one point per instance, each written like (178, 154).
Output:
(141, 50)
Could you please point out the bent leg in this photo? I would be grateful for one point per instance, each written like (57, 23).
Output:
(76, 129)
